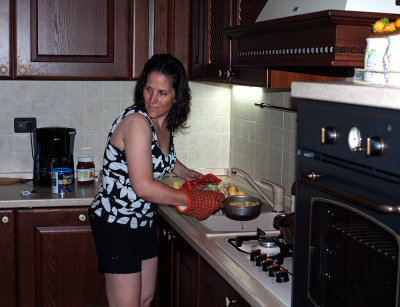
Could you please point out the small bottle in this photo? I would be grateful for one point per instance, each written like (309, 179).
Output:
(293, 198)
(85, 170)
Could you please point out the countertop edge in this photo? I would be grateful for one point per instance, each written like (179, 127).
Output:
(349, 93)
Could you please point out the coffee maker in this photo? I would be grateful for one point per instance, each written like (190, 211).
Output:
(53, 147)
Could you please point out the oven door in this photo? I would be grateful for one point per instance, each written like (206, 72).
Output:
(346, 241)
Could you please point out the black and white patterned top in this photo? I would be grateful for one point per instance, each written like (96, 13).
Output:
(116, 201)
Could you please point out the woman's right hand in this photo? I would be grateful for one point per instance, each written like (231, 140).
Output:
(202, 203)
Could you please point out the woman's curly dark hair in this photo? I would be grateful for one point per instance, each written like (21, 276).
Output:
(170, 66)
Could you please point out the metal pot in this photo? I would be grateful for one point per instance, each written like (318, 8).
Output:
(285, 223)
(241, 213)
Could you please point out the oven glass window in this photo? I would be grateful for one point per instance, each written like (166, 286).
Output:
(353, 260)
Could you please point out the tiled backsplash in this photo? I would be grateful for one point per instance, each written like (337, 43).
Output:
(91, 106)
(263, 141)
(225, 129)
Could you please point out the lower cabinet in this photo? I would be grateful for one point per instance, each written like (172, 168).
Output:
(56, 259)
(8, 271)
(185, 278)
(215, 291)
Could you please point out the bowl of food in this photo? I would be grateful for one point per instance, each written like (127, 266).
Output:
(241, 208)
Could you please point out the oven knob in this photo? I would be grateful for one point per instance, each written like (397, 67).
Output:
(328, 135)
(375, 146)
(254, 253)
(282, 276)
(266, 264)
(260, 258)
(311, 175)
(273, 269)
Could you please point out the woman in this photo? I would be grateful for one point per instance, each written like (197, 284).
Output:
(138, 154)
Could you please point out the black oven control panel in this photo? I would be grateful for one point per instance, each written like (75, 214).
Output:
(363, 135)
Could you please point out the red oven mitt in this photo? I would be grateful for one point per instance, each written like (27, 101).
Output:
(201, 182)
(201, 203)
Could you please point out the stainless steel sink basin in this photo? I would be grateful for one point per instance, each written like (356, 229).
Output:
(218, 225)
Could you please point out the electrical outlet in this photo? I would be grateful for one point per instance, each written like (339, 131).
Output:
(24, 124)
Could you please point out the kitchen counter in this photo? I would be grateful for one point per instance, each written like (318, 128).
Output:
(350, 93)
(249, 288)
(11, 197)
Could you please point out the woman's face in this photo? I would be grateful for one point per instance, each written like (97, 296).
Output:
(158, 95)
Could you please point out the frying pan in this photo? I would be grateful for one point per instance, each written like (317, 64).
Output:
(240, 213)
(285, 223)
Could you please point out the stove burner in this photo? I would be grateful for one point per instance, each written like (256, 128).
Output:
(266, 242)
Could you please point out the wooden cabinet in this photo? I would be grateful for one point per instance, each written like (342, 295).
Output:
(210, 57)
(56, 259)
(8, 279)
(72, 39)
(215, 291)
(171, 29)
(214, 48)
(186, 272)
(5, 41)
(165, 284)
(185, 278)
(211, 48)
(177, 272)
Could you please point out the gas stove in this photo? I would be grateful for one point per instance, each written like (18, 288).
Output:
(266, 259)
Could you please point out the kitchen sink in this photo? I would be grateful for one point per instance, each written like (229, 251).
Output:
(219, 225)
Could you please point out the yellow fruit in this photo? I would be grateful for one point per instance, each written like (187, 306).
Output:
(392, 27)
(379, 25)
(397, 23)
(240, 193)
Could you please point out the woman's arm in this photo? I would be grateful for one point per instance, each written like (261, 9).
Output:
(137, 137)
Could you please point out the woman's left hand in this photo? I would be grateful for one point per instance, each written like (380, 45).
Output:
(192, 175)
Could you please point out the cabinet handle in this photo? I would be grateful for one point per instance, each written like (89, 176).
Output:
(5, 219)
(3, 69)
(82, 217)
(229, 73)
(22, 70)
(229, 302)
(171, 236)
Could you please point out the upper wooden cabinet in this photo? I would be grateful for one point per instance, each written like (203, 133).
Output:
(211, 48)
(210, 58)
(72, 39)
(5, 42)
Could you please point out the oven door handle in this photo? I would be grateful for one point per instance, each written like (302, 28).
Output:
(311, 177)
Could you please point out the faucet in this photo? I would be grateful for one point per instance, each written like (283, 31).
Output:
(278, 192)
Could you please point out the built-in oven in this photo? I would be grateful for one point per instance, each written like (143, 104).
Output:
(347, 225)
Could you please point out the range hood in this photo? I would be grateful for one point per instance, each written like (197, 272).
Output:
(285, 8)
(316, 36)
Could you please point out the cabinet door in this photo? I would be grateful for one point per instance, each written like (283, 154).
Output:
(5, 41)
(210, 49)
(164, 292)
(73, 39)
(162, 28)
(186, 273)
(8, 288)
(215, 291)
(56, 259)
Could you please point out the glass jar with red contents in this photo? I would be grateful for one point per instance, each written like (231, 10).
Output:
(85, 170)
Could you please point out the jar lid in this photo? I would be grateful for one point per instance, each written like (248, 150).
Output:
(85, 159)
